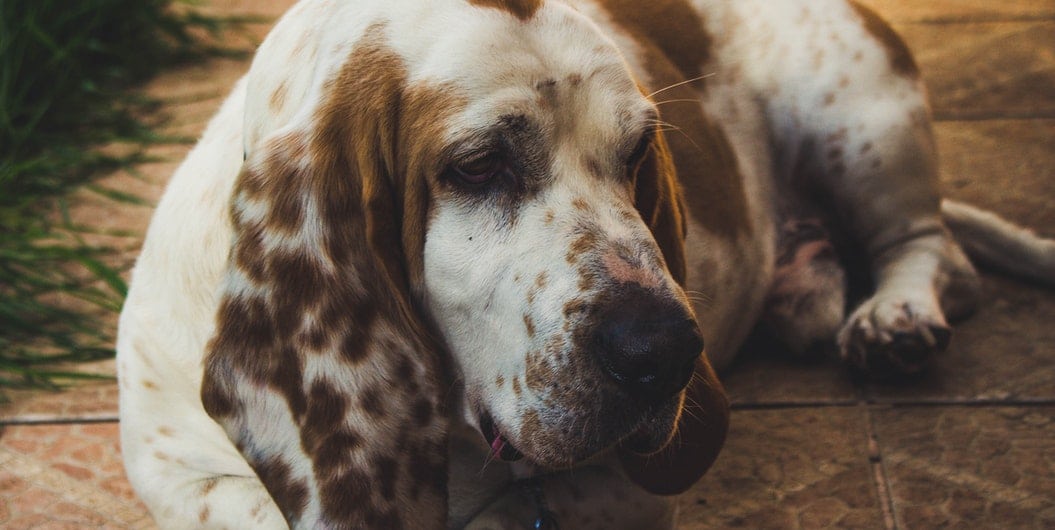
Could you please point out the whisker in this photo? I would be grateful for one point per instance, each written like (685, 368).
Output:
(683, 100)
(699, 296)
(685, 82)
(675, 128)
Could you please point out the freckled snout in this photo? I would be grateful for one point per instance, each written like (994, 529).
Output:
(647, 343)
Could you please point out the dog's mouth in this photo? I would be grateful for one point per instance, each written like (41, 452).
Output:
(500, 446)
(648, 435)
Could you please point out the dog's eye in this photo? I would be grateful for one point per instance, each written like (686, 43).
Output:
(479, 170)
(640, 150)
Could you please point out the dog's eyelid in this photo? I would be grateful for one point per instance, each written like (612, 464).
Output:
(641, 146)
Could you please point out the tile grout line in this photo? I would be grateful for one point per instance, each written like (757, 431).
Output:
(52, 419)
(878, 469)
(946, 116)
(894, 403)
(969, 19)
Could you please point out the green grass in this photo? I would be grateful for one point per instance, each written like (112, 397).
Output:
(67, 69)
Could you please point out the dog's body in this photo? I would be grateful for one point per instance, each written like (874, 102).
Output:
(285, 294)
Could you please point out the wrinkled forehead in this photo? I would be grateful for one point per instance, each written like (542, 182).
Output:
(554, 70)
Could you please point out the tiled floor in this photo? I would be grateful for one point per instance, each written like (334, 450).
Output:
(969, 445)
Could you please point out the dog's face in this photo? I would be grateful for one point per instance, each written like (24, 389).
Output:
(565, 326)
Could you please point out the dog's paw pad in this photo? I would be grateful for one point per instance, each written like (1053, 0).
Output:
(886, 338)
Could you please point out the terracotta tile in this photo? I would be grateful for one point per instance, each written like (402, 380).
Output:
(765, 373)
(789, 468)
(961, 10)
(1003, 165)
(251, 7)
(72, 475)
(970, 467)
(986, 70)
(81, 401)
(69, 512)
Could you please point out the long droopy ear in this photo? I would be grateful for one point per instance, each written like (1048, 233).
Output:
(704, 417)
(322, 370)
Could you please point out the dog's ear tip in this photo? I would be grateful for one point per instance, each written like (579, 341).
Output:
(702, 430)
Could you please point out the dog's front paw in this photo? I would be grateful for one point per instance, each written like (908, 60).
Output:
(891, 336)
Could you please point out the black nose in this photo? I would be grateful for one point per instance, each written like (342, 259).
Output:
(648, 344)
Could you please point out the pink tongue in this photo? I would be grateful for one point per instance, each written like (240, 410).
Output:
(497, 445)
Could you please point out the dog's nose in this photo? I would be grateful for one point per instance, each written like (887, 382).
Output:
(648, 345)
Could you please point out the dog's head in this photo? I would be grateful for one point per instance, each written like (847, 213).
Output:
(553, 252)
(487, 170)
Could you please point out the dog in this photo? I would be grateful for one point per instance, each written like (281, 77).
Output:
(452, 264)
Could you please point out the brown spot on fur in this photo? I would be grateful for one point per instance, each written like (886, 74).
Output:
(500, 381)
(587, 279)
(574, 80)
(541, 280)
(522, 9)
(370, 401)
(208, 485)
(290, 495)
(422, 412)
(278, 97)
(529, 325)
(580, 204)
(829, 98)
(587, 241)
(257, 509)
(673, 27)
(574, 307)
(386, 472)
(837, 136)
(248, 253)
(593, 166)
(150, 385)
(516, 386)
(548, 218)
(539, 373)
(203, 515)
(901, 60)
(165, 431)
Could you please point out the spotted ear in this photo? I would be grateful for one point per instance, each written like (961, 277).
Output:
(322, 370)
(704, 419)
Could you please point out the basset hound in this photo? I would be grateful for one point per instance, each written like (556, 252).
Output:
(452, 264)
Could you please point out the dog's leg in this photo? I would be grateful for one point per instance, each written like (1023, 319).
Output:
(188, 482)
(865, 149)
(595, 497)
(880, 171)
(179, 461)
